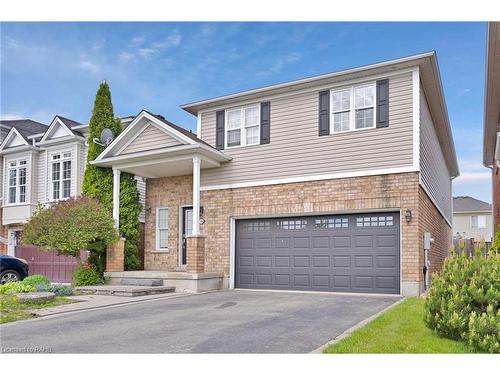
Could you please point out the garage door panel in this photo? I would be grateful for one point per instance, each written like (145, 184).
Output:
(321, 242)
(345, 253)
(341, 242)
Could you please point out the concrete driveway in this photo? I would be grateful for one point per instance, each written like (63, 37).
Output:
(232, 321)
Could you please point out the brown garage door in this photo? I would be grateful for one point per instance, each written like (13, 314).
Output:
(56, 267)
(342, 253)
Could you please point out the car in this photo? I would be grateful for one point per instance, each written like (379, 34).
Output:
(12, 269)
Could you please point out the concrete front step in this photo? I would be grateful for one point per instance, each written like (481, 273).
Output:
(126, 290)
(141, 282)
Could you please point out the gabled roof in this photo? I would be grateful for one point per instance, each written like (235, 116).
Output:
(429, 76)
(469, 204)
(14, 139)
(25, 127)
(491, 93)
(63, 122)
(183, 135)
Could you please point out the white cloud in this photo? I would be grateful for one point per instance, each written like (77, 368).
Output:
(88, 65)
(137, 39)
(172, 40)
(473, 176)
(126, 56)
(463, 91)
(280, 63)
(147, 52)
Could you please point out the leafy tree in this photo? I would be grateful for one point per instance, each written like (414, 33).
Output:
(98, 183)
(70, 226)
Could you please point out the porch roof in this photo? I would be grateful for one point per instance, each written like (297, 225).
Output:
(154, 147)
(165, 162)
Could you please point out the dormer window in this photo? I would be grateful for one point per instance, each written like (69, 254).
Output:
(17, 171)
(60, 176)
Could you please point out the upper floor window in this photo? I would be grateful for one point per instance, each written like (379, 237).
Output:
(478, 221)
(17, 171)
(243, 126)
(60, 175)
(353, 108)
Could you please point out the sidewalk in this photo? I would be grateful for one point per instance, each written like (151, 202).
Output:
(92, 301)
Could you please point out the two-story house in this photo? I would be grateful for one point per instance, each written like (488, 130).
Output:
(472, 218)
(326, 183)
(41, 165)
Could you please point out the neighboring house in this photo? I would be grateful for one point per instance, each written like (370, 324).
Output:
(41, 165)
(491, 142)
(326, 183)
(472, 218)
(26, 128)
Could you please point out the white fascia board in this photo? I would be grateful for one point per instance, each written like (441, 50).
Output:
(61, 140)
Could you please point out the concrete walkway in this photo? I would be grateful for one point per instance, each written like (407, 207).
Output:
(93, 301)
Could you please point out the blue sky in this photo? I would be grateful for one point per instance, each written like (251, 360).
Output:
(55, 68)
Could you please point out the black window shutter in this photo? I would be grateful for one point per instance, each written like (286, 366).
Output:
(383, 103)
(265, 123)
(324, 112)
(219, 130)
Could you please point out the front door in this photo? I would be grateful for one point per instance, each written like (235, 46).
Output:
(187, 229)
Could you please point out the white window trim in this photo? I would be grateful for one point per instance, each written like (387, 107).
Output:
(243, 132)
(17, 167)
(157, 230)
(50, 181)
(352, 109)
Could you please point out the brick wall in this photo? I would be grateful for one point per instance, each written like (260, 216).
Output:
(171, 192)
(4, 234)
(397, 191)
(432, 221)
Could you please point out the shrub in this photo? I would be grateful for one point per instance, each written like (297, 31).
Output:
(16, 287)
(464, 299)
(70, 226)
(86, 274)
(58, 290)
(35, 280)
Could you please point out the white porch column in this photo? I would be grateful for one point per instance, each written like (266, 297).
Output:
(116, 197)
(196, 195)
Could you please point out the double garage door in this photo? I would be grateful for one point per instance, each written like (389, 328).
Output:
(340, 253)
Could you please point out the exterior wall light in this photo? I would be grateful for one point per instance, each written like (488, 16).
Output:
(408, 215)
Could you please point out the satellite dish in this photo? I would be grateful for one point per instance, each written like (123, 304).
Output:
(107, 136)
(105, 139)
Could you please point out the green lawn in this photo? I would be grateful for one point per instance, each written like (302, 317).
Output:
(399, 330)
(11, 309)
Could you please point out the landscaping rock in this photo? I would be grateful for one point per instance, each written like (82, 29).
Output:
(35, 297)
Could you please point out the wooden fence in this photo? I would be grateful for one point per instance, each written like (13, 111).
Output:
(468, 245)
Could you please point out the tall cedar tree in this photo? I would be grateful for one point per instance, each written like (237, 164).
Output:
(98, 183)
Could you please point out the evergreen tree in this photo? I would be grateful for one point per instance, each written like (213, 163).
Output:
(98, 183)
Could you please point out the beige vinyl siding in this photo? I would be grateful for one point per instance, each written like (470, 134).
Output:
(141, 186)
(82, 164)
(151, 138)
(42, 177)
(296, 149)
(434, 174)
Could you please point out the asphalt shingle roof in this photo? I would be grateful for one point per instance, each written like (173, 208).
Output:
(25, 127)
(469, 204)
